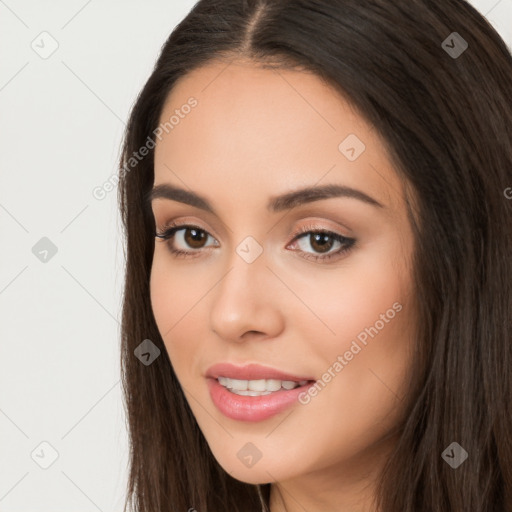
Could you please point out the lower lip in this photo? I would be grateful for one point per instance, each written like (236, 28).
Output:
(253, 408)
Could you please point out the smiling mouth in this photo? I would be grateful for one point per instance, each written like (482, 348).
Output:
(259, 387)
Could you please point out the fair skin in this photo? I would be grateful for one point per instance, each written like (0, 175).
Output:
(256, 134)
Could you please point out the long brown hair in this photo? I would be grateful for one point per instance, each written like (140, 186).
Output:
(435, 79)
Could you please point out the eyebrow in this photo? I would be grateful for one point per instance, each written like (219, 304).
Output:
(276, 204)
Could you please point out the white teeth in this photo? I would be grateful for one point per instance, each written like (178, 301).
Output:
(240, 385)
(273, 384)
(259, 386)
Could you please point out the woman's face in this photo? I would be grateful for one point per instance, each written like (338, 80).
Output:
(316, 286)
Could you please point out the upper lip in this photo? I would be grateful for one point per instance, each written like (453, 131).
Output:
(251, 372)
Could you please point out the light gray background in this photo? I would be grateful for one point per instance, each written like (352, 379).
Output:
(61, 122)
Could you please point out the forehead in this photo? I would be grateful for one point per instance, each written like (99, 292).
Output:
(260, 129)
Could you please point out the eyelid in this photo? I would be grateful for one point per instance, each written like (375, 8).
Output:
(186, 222)
(323, 225)
(320, 225)
(218, 226)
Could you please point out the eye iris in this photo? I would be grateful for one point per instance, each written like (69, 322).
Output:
(324, 240)
(196, 238)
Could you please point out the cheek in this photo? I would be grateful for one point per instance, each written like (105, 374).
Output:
(371, 288)
(174, 291)
(163, 293)
(171, 299)
(178, 297)
(368, 308)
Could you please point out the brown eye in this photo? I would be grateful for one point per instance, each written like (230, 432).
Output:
(186, 239)
(318, 244)
(321, 242)
(194, 238)
(189, 240)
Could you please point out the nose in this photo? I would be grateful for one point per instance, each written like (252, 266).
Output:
(246, 302)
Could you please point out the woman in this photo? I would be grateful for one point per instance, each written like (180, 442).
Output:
(316, 197)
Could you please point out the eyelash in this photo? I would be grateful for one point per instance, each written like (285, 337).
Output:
(169, 231)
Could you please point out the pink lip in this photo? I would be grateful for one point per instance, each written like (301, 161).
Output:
(252, 408)
(251, 372)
